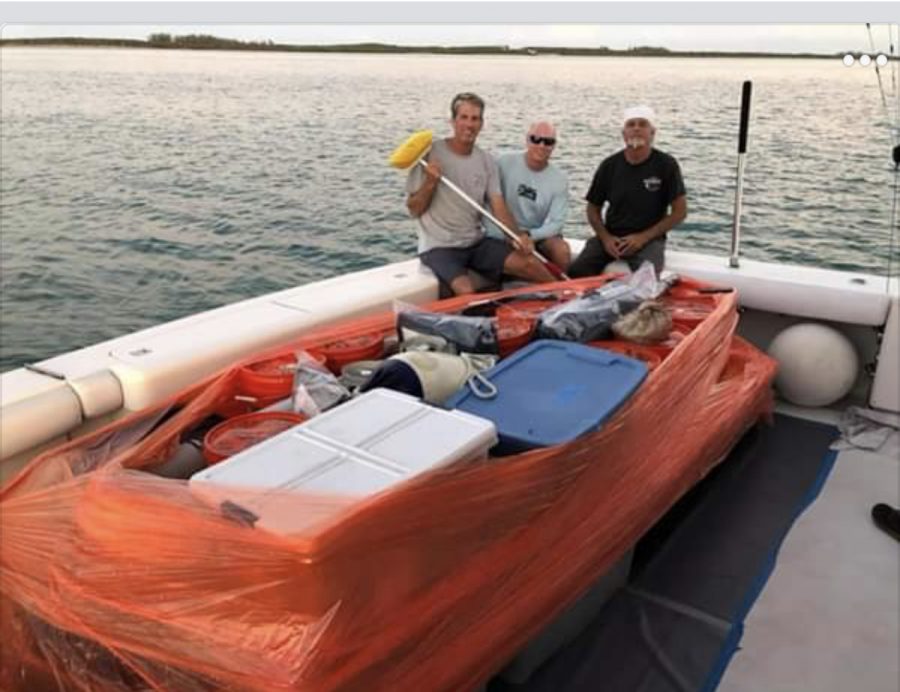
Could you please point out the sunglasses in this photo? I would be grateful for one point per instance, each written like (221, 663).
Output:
(549, 141)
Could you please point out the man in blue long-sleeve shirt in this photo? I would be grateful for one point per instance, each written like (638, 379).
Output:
(536, 193)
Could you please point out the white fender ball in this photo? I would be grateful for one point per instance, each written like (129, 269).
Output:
(817, 365)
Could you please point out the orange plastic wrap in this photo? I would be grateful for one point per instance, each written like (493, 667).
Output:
(117, 579)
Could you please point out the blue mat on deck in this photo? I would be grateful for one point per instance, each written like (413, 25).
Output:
(698, 572)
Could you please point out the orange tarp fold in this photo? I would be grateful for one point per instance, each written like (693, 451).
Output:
(113, 578)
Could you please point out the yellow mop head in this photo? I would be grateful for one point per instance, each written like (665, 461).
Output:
(414, 148)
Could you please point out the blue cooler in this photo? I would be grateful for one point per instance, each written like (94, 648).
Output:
(552, 392)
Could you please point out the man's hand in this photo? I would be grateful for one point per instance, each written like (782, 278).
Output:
(608, 240)
(610, 244)
(433, 171)
(501, 211)
(526, 244)
(419, 201)
(630, 244)
(634, 242)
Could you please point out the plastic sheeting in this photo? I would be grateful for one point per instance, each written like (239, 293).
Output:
(116, 579)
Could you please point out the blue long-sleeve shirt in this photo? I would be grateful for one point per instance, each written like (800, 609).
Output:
(538, 200)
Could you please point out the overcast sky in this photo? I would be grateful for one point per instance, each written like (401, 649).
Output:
(791, 38)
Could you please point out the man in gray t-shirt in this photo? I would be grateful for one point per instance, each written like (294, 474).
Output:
(451, 237)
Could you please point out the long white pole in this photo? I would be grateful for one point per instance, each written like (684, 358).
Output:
(503, 227)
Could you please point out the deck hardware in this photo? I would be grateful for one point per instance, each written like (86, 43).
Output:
(241, 515)
(44, 371)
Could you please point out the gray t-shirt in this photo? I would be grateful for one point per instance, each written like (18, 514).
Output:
(538, 200)
(450, 221)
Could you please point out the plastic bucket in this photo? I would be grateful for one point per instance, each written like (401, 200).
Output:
(340, 353)
(237, 434)
(272, 379)
(513, 330)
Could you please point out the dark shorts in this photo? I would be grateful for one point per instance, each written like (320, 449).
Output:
(594, 257)
(486, 257)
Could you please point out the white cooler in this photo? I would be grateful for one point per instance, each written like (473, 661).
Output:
(355, 450)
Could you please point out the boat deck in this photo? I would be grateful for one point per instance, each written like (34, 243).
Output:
(828, 617)
(770, 575)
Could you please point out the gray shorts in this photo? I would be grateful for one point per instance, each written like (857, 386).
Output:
(594, 257)
(486, 257)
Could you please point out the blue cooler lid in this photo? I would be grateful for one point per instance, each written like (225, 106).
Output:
(551, 392)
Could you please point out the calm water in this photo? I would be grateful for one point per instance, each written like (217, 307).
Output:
(140, 186)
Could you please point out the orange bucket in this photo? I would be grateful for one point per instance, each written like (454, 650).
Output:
(237, 434)
(513, 330)
(340, 353)
(272, 379)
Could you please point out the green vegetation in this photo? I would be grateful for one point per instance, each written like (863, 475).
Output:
(206, 42)
(66, 41)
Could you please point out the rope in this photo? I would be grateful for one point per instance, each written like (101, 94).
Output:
(887, 112)
(894, 247)
(893, 54)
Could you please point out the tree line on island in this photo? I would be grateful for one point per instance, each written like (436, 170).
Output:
(207, 42)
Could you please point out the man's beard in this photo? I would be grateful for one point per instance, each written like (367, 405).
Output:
(636, 142)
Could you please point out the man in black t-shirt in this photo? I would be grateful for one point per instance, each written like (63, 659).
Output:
(643, 192)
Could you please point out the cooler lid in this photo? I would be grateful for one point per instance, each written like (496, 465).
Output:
(403, 431)
(357, 449)
(552, 392)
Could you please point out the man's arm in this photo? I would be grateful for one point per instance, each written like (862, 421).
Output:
(669, 221)
(418, 202)
(607, 239)
(501, 211)
(630, 244)
(556, 217)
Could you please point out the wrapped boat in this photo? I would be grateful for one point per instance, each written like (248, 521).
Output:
(118, 578)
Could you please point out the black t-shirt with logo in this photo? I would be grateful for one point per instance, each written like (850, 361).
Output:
(638, 195)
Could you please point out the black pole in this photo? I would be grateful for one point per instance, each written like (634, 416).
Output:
(745, 116)
(739, 187)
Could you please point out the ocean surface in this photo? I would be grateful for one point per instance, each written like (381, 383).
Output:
(139, 186)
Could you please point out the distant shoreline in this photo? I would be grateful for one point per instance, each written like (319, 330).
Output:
(202, 42)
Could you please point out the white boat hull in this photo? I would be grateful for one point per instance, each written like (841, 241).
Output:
(79, 390)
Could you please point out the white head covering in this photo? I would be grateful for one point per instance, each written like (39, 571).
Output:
(644, 112)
